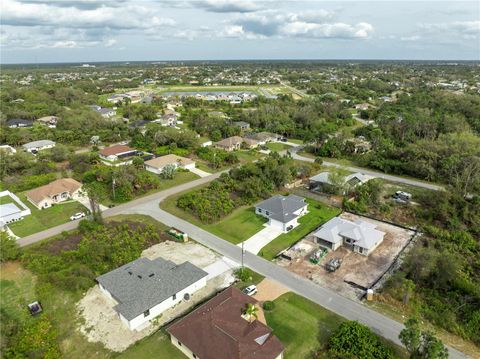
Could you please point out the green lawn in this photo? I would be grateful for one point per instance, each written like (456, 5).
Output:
(238, 226)
(318, 214)
(295, 140)
(155, 346)
(301, 325)
(248, 156)
(41, 220)
(278, 146)
(6, 199)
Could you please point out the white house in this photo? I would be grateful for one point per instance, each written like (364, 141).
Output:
(359, 236)
(60, 190)
(117, 152)
(144, 288)
(156, 165)
(7, 149)
(282, 211)
(13, 210)
(36, 146)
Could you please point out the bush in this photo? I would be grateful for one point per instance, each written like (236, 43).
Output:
(244, 274)
(354, 340)
(9, 249)
(269, 305)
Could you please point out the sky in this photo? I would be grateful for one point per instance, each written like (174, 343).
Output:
(38, 31)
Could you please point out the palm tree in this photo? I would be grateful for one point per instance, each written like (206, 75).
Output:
(251, 311)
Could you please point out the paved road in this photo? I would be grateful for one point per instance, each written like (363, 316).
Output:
(121, 209)
(392, 178)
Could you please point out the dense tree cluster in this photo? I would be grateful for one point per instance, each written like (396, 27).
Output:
(243, 185)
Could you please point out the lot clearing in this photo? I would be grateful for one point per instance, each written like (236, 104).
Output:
(101, 322)
(357, 272)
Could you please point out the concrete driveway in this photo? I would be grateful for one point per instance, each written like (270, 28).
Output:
(199, 172)
(260, 239)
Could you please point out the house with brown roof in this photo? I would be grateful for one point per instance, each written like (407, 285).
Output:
(55, 192)
(250, 142)
(230, 144)
(117, 152)
(156, 165)
(219, 329)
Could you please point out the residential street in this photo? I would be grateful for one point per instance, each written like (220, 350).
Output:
(392, 178)
(149, 205)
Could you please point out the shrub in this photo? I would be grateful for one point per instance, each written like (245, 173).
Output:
(9, 249)
(269, 305)
(244, 274)
(354, 340)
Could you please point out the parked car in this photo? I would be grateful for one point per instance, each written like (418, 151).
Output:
(250, 290)
(77, 216)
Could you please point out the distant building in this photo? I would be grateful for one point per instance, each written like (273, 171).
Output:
(144, 288)
(40, 145)
(230, 144)
(19, 122)
(7, 149)
(322, 182)
(244, 126)
(50, 121)
(55, 192)
(104, 111)
(156, 165)
(117, 152)
(359, 236)
(262, 137)
(218, 329)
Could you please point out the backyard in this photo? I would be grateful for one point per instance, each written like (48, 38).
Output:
(278, 146)
(318, 214)
(46, 218)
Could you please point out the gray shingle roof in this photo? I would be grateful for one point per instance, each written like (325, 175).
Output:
(144, 283)
(281, 208)
(36, 144)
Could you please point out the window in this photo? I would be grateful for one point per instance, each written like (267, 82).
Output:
(174, 297)
(180, 344)
(194, 356)
(267, 213)
(259, 210)
(146, 313)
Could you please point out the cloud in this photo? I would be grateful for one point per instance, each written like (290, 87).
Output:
(466, 29)
(132, 16)
(410, 38)
(225, 6)
(79, 4)
(313, 24)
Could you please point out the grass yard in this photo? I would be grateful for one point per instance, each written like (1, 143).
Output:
(6, 200)
(41, 220)
(248, 156)
(278, 146)
(295, 140)
(318, 214)
(238, 226)
(301, 325)
(155, 346)
(305, 327)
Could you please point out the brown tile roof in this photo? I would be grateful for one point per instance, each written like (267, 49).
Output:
(230, 141)
(216, 330)
(162, 161)
(53, 188)
(115, 149)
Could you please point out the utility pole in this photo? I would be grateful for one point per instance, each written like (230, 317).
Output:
(113, 185)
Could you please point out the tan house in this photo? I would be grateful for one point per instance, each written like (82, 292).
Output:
(250, 142)
(117, 152)
(156, 165)
(230, 144)
(55, 192)
(218, 330)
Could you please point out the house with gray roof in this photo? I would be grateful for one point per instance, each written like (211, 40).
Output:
(144, 289)
(282, 211)
(359, 236)
(40, 145)
(323, 183)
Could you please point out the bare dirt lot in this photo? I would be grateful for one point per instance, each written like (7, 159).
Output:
(357, 271)
(101, 323)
